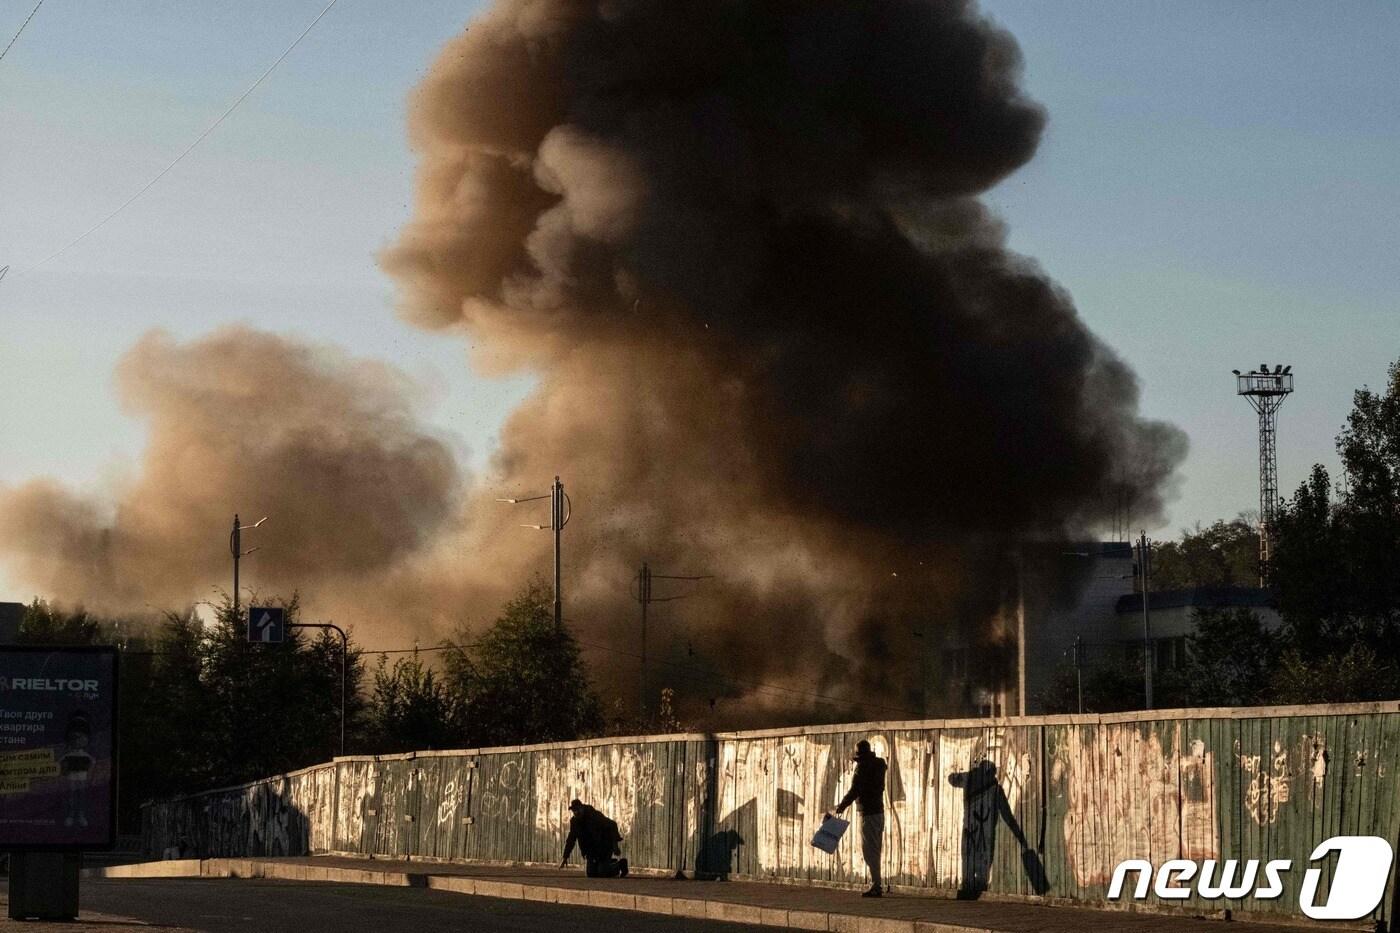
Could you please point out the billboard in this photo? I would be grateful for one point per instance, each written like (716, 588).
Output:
(58, 747)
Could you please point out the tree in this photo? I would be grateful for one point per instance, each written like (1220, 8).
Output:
(201, 706)
(1108, 688)
(142, 766)
(1309, 569)
(1223, 554)
(1354, 675)
(273, 708)
(410, 708)
(1370, 511)
(45, 624)
(1336, 563)
(166, 749)
(1230, 656)
(524, 680)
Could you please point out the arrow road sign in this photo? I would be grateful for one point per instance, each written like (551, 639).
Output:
(266, 624)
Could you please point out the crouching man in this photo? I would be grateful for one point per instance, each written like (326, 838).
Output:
(598, 841)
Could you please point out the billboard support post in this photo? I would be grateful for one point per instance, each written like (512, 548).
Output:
(44, 885)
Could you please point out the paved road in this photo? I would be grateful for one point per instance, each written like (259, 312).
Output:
(252, 906)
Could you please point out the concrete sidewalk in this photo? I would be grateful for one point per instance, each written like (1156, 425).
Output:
(777, 905)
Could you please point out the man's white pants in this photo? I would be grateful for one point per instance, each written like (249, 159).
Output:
(872, 842)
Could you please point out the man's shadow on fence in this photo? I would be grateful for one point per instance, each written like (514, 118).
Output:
(984, 803)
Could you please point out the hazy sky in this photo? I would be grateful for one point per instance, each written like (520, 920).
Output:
(1217, 188)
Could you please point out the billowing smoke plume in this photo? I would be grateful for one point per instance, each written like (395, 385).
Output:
(327, 446)
(778, 338)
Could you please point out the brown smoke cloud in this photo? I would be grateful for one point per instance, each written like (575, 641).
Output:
(779, 339)
(329, 446)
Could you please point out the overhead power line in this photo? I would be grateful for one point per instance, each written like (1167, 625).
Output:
(698, 672)
(188, 149)
(21, 29)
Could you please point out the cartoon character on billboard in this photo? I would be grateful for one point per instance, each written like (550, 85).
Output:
(76, 765)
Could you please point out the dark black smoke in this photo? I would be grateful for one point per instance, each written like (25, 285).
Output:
(777, 335)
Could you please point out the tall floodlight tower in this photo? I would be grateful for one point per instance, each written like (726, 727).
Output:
(1265, 392)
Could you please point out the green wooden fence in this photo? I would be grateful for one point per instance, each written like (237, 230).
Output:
(1036, 807)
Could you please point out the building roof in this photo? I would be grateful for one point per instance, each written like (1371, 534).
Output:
(1081, 549)
(1200, 597)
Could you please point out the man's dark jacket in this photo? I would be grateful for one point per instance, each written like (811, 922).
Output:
(868, 785)
(596, 835)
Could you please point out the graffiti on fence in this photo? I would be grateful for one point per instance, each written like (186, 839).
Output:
(1128, 796)
(1022, 808)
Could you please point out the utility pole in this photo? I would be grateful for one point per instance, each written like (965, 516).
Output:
(1145, 570)
(235, 546)
(645, 597)
(1079, 669)
(1020, 634)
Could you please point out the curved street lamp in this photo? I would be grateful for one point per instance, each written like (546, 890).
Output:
(560, 508)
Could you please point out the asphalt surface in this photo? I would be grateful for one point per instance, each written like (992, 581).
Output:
(255, 905)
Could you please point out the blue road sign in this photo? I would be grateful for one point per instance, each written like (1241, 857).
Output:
(266, 624)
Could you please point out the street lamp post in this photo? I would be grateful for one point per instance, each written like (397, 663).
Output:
(557, 518)
(560, 508)
(235, 546)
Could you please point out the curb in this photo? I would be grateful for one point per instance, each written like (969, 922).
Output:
(257, 868)
(697, 908)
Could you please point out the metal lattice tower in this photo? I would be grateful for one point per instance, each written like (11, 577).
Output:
(1265, 392)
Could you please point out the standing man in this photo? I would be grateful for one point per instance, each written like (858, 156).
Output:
(598, 840)
(868, 791)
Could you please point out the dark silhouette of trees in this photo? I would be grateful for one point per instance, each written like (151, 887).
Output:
(1231, 660)
(1337, 563)
(411, 707)
(1108, 688)
(203, 707)
(523, 680)
(271, 708)
(1221, 554)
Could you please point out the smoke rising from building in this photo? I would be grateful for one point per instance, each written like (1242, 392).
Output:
(777, 339)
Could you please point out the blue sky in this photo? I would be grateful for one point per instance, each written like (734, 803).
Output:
(1217, 188)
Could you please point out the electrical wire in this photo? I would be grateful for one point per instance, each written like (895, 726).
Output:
(595, 646)
(188, 149)
(21, 29)
(755, 684)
